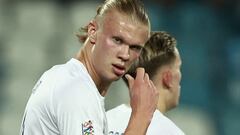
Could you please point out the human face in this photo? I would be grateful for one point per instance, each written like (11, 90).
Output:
(119, 40)
(176, 79)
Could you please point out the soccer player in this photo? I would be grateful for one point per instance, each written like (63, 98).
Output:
(162, 62)
(68, 99)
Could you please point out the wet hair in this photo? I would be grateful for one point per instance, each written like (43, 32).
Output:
(133, 8)
(158, 51)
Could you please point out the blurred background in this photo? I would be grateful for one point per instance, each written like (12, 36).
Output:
(37, 34)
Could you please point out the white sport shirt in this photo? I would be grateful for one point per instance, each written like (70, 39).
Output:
(160, 125)
(65, 101)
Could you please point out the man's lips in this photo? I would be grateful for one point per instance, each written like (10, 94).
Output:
(119, 69)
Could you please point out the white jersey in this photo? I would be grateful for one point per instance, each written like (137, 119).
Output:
(160, 125)
(65, 101)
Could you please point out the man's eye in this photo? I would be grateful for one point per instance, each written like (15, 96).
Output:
(136, 48)
(117, 40)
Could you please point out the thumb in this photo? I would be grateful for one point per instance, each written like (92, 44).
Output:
(130, 81)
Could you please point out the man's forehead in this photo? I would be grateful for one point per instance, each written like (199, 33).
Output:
(128, 30)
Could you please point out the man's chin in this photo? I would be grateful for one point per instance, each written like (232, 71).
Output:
(117, 78)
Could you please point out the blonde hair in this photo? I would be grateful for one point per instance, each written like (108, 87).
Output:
(133, 8)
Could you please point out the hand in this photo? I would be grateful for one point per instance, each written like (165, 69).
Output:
(143, 98)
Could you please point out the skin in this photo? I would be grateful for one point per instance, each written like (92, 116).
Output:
(113, 44)
(167, 81)
(140, 118)
(118, 37)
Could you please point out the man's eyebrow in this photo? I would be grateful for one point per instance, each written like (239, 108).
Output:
(124, 41)
(137, 45)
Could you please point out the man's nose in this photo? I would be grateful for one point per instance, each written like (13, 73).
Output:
(124, 53)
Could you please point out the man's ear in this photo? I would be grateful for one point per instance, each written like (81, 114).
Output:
(167, 79)
(92, 28)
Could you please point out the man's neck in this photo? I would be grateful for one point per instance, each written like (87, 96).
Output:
(161, 107)
(84, 55)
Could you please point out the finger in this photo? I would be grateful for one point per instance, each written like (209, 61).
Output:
(146, 77)
(140, 73)
(130, 80)
(152, 86)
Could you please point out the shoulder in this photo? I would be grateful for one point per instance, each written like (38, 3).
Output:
(160, 124)
(71, 87)
(71, 77)
(118, 118)
(121, 110)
